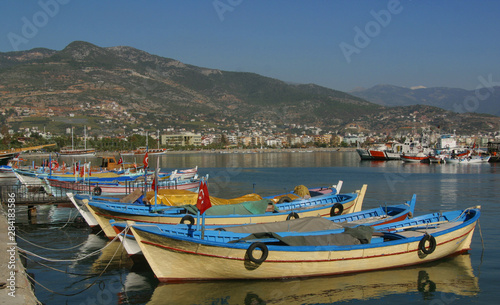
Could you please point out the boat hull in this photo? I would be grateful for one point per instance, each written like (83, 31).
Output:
(415, 159)
(174, 260)
(84, 211)
(378, 155)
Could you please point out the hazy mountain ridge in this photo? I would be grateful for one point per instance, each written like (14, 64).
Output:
(116, 80)
(485, 100)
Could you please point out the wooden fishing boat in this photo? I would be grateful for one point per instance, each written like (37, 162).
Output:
(468, 160)
(215, 257)
(242, 213)
(165, 197)
(372, 217)
(71, 152)
(415, 158)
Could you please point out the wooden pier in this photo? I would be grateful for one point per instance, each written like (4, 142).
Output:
(35, 194)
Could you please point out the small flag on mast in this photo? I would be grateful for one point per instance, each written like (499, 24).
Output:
(145, 161)
(203, 203)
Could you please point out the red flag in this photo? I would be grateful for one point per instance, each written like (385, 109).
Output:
(153, 184)
(90, 171)
(203, 203)
(145, 161)
(120, 161)
(82, 169)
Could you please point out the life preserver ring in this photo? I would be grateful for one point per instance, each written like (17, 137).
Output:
(97, 191)
(188, 218)
(292, 215)
(262, 248)
(336, 210)
(54, 165)
(432, 244)
(284, 199)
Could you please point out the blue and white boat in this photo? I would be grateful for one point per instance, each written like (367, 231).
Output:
(216, 255)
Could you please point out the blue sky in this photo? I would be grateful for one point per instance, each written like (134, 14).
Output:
(336, 44)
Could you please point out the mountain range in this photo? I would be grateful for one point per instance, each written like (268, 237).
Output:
(484, 100)
(113, 87)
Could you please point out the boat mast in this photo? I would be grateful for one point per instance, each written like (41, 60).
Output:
(85, 137)
(72, 142)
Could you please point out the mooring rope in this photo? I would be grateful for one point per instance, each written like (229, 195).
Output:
(69, 218)
(74, 260)
(84, 289)
(58, 270)
(51, 249)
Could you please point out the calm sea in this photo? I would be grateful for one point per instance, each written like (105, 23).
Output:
(109, 277)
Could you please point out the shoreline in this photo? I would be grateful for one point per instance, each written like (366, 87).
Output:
(220, 151)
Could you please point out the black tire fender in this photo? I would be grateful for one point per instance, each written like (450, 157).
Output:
(262, 248)
(284, 199)
(292, 215)
(97, 191)
(432, 244)
(188, 218)
(336, 210)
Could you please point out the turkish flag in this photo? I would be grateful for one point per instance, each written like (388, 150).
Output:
(120, 161)
(153, 184)
(145, 161)
(203, 203)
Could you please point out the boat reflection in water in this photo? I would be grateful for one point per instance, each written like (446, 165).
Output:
(452, 275)
(112, 257)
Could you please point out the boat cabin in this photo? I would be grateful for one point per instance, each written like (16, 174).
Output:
(109, 163)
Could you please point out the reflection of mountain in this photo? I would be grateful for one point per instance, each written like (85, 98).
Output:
(452, 275)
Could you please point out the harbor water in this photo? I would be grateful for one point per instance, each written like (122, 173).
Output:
(85, 268)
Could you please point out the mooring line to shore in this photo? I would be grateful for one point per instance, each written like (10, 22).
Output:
(50, 249)
(69, 219)
(84, 289)
(55, 269)
(73, 260)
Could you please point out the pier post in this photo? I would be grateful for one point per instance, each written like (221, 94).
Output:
(32, 214)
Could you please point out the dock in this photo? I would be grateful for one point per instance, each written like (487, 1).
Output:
(15, 286)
